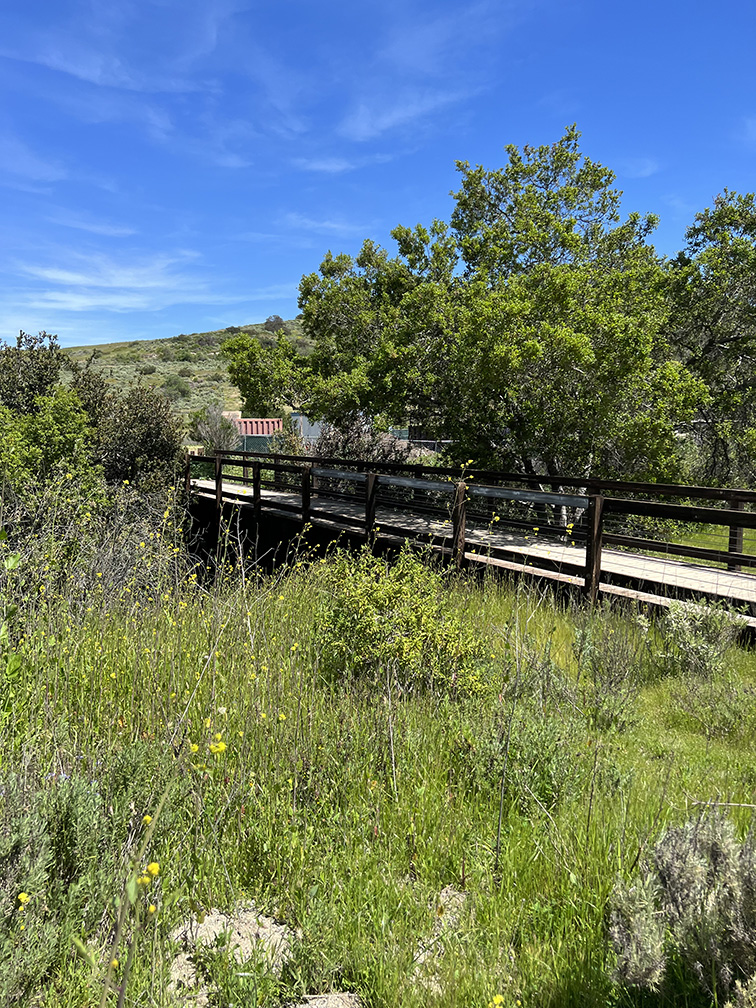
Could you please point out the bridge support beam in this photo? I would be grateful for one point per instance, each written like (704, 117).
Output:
(594, 533)
(459, 524)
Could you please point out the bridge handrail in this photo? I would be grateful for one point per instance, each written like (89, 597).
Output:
(589, 484)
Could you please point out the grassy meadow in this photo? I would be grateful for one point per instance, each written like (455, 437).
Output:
(339, 743)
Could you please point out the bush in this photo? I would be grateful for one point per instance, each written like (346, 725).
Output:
(140, 438)
(537, 758)
(28, 370)
(691, 911)
(380, 619)
(696, 639)
(146, 369)
(214, 431)
(176, 387)
(361, 439)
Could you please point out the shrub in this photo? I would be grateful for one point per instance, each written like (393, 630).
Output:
(379, 619)
(176, 387)
(140, 438)
(691, 911)
(537, 758)
(609, 654)
(28, 370)
(58, 875)
(361, 439)
(696, 639)
(214, 431)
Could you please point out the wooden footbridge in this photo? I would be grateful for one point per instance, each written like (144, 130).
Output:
(650, 542)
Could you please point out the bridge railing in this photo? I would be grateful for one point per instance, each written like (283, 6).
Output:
(534, 511)
(434, 511)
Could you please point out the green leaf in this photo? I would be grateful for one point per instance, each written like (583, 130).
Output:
(132, 888)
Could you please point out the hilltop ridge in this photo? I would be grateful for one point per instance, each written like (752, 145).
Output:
(188, 368)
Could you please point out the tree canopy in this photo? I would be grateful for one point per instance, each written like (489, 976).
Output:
(537, 329)
(713, 329)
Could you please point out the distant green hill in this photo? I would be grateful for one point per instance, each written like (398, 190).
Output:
(189, 368)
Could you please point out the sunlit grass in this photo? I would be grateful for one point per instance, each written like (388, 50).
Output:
(342, 805)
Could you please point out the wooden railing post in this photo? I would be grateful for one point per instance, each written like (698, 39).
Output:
(593, 535)
(459, 523)
(188, 474)
(256, 488)
(306, 493)
(371, 499)
(245, 469)
(735, 538)
(218, 484)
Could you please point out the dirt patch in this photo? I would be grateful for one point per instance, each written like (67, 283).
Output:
(447, 911)
(334, 1000)
(244, 932)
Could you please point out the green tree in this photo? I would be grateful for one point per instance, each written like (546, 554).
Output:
(713, 329)
(56, 438)
(139, 437)
(29, 369)
(266, 378)
(526, 331)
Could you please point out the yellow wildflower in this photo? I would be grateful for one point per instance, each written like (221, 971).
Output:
(153, 868)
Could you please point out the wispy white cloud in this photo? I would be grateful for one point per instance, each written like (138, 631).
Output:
(748, 132)
(83, 283)
(426, 62)
(638, 167)
(20, 161)
(301, 222)
(326, 165)
(99, 227)
(341, 165)
(432, 44)
(370, 119)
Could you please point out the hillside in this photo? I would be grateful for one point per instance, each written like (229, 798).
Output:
(189, 368)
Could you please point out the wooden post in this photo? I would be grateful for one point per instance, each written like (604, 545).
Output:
(371, 498)
(218, 485)
(245, 469)
(256, 488)
(188, 474)
(735, 539)
(459, 523)
(306, 493)
(593, 534)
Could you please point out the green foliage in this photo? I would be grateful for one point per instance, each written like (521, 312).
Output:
(264, 377)
(388, 623)
(527, 333)
(55, 437)
(535, 760)
(176, 387)
(139, 437)
(696, 639)
(28, 370)
(713, 328)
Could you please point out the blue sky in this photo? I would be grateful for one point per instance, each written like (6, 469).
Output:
(173, 166)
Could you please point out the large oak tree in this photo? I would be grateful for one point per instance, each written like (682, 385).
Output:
(526, 331)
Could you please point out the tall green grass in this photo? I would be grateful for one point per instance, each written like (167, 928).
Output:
(340, 790)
